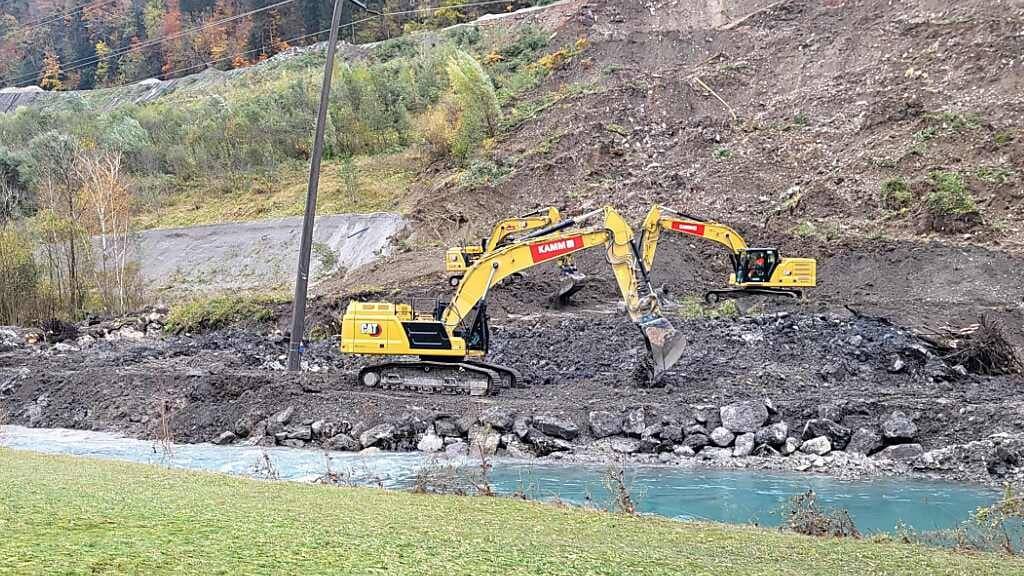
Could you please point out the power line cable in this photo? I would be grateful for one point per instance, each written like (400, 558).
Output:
(90, 60)
(343, 26)
(118, 53)
(51, 18)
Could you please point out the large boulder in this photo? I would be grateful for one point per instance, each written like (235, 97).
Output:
(696, 441)
(343, 443)
(226, 437)
(672, 433)
(716, 453)
(380, 436)
(721, 437)
(521, 426)
(837, 434)
(744, 445)
(818, 446)
(545, 444)
(624, 445)
(483, 442)
(898, 427)
(708, 415)
(865, 441)
(773, 435)
(901, 452)
(743, 417)
(790, 446)
(447, 426)
(558, 427)
(457, 449)
(636, 421)
(604, 424)
(498, 418)
(277, 422)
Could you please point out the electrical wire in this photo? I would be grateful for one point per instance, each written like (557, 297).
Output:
(90, 60)
(51, 18)
(305, 36)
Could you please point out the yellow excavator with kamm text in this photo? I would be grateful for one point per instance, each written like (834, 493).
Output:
(756, 271)
(452, 338)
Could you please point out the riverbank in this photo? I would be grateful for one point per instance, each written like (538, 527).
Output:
(847, 396)
(65, 514)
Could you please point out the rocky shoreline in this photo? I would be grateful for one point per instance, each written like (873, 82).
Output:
(849, 398)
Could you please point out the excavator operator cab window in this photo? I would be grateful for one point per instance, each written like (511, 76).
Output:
(757, 265)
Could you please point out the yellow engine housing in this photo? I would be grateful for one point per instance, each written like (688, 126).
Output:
(384, 328)
(789, 273)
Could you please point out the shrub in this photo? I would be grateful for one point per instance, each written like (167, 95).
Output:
(722, 153)
(482, 172)
(19, 276)
(479, 114)
(218, 312)
(949, 196)
(437, 128)
(896, 194)
(803, 515)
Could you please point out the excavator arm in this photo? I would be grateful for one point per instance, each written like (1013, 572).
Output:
(527, 222)
(660, 218)
(755, 270)
(458, 259)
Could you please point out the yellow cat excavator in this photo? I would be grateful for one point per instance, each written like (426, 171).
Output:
(458, 259)
(451, 339)
(755, 270)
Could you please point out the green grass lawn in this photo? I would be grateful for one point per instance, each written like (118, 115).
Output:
(62, 515)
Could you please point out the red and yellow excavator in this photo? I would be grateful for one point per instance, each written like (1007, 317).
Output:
(451, 339)
(458, 259)
(756, 271)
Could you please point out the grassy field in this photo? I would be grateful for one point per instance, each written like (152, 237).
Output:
(61, 515)
(367, 184)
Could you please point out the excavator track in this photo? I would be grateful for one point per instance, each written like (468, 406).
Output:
(466, 377)
(713, 296)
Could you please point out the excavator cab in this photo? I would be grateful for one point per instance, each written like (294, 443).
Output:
(756, 265)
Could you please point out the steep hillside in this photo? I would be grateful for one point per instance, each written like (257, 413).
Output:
(786, 120)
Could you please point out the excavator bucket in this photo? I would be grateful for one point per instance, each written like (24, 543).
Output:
(665, 344)
(569, 284)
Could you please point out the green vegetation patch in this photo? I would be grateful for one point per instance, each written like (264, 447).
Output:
(949, 195)
(693, 307)
(219, 312)
(63, 515)
(896, 194)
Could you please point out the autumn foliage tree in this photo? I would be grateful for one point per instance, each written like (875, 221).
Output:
(51, 77)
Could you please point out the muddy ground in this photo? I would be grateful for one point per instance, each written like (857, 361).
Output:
(854, 370)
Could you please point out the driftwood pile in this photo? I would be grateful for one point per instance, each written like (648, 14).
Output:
(981, 348)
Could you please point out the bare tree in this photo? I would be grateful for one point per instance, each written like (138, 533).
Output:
(107, 215)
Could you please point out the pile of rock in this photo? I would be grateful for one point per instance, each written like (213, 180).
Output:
(495, 430)
(10, 339)
(749, 428)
